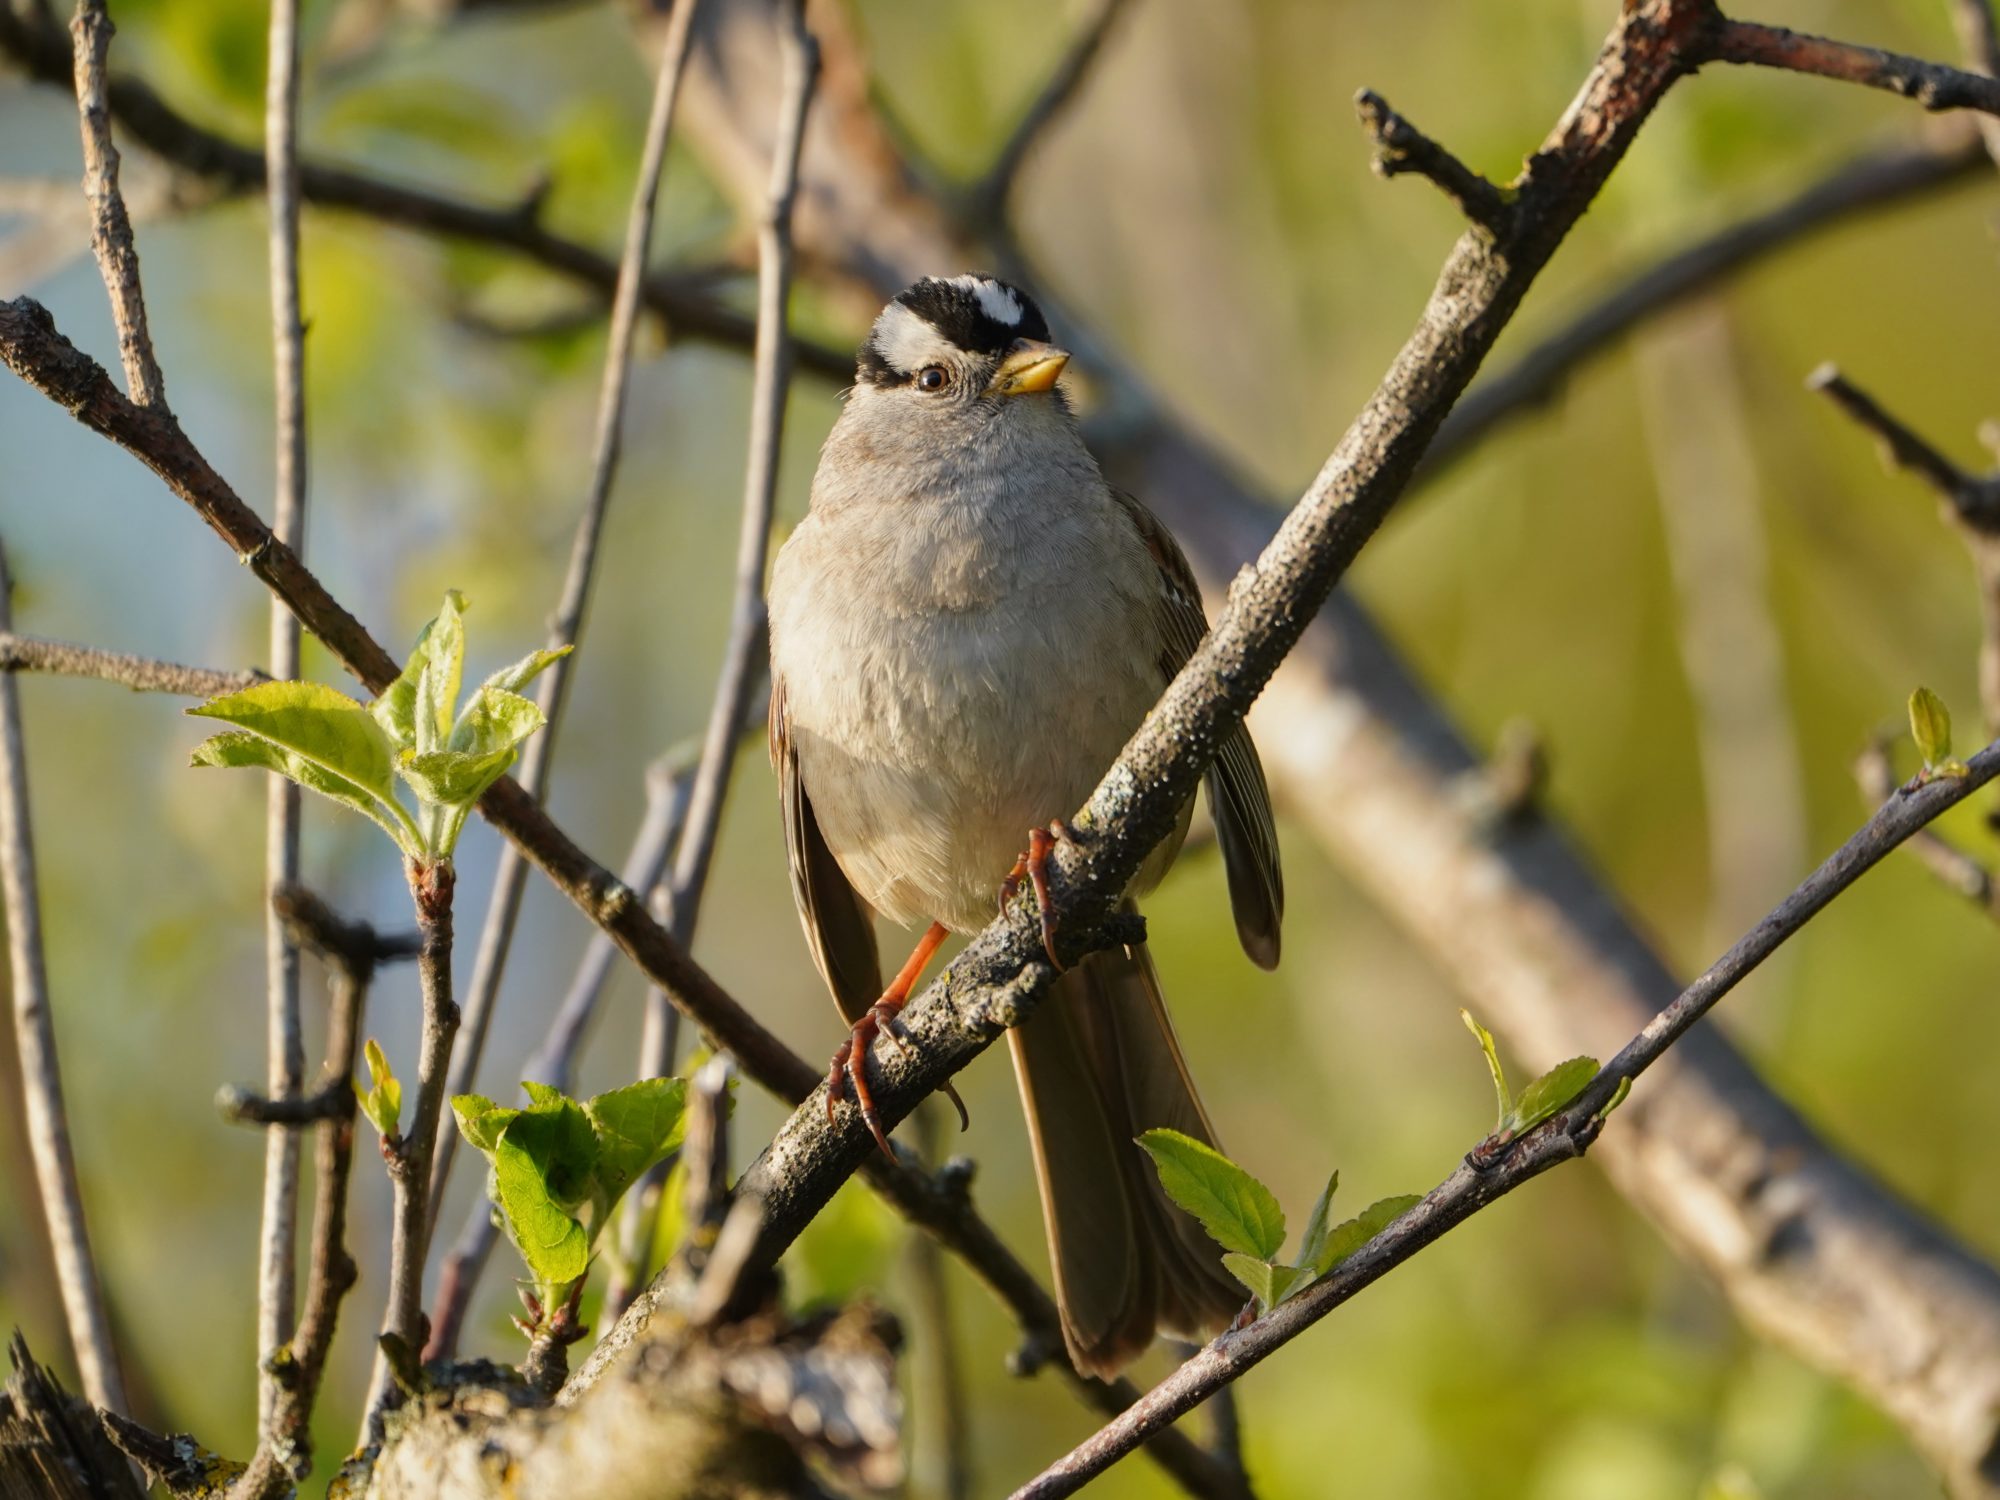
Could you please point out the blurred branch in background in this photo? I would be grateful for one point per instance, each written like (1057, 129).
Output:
(566, 625)
(1979, 40)
(352, 950)
(285, 1061)
(746, 651)
(27, 653)
(87, 1324)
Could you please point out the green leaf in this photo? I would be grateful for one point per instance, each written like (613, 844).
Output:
(1549, 1094)
(1492, 1063)
(480, 1120)
(452, 778)
(325, 728)
(408, 708)
(552, 1242)
(1236, 1209)
(556, 1132)
(526, 670)
(1930, 727)
(1269, 1283)
(1617, 1098)
(1315, 1240)
(237, 748)
(1346, 1238)
(495, 719)
(382, 1102)
(635, 1127)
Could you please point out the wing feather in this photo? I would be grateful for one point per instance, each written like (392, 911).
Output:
(1238, 798)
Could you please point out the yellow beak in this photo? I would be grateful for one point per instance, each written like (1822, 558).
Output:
(1029, 366)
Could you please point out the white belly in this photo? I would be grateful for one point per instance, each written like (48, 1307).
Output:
(933, 732)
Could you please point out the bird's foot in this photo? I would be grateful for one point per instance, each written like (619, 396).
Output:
(850, 1058)
(1034, 866)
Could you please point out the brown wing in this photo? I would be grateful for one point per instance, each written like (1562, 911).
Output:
(840, 928)
(1238, 799)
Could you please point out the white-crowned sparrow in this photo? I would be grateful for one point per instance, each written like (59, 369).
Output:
(965, 630)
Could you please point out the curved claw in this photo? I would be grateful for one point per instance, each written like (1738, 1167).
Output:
(1035, 866)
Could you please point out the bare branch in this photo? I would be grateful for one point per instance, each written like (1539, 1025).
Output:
(1933, 85)
(745, 653)
(988, 199)
(1879, 179)
(110, 226)
(1495, 1167)
(285, 1062)
(239, 1106)
(1980, 42)
(1400, 147)
(688, 306)
(27, 653)
(565, 627)
(41, 1074)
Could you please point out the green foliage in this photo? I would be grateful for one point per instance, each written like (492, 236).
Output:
(382, 1100)
(1930, 727)
(330, 744)
(1242, 1216)
(560, 1167)
(1546, 1097)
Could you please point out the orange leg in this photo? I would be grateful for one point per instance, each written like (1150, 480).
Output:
(850, 1059)
(1035, 866)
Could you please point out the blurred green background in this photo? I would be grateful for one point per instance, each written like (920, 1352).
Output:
(1209, 201)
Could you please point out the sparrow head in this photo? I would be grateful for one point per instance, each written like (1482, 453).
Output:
(954, 343)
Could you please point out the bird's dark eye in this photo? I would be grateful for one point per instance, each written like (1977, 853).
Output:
(931, 378)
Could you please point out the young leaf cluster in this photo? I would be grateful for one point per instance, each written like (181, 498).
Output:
(560, 1167)
(1243, 1217)
(1540, 1100)
(355, 754)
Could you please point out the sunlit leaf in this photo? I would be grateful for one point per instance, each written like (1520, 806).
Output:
(1268, 1282)
(237, 748)
(552, 1242)
(452, 778)
(326, 728)
(1549, 1094)
(495, 719)
(1236, 1209)
(1347, 1237)
(1930, 727)
(526, 670)
(480, 1120)
(1315, 1238)
(409, 708)
(635, 1127)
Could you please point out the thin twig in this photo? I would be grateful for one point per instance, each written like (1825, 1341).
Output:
(941, 1376)
(110, 225)
(1954, 868)
(744, 655)
(239, 1106)
(89, 1326)
(504, 907)
(1400, 147)
(352, 949)
(688, 306)
(1972, 502)
(1493, 1169)
(1974, 499)
(1933, 85)
(27, 653)
(987, 201)
(403, 1330)
(1876, 180)
(285, 1061)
